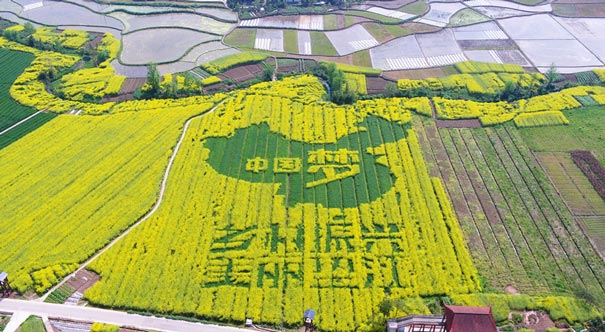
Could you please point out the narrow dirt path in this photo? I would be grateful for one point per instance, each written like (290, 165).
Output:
(146, 216)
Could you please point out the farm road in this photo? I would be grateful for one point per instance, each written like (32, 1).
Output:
(154, 208)
(76, 313)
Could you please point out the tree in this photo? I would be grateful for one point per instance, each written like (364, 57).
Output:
(153, 79)
(551, 76)
(29, 29)
(339, 90)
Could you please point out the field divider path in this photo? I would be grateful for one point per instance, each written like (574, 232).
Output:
(550, 241)
(484, 178)
(430, 155)
(18, 123)
(569, 225)
(475, 184)
(485, 155)
(144, 217)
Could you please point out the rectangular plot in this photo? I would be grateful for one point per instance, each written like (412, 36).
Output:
(351, 39)
(534, 27)
(270, 40)
(438, 43)
(562, 174)
(386, 55)
(304, 42)
(563, 53)
(483, 56)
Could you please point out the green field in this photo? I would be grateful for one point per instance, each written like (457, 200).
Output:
(373, 16)
(384, 33)
(321, 45)
(12, 64)
(586, 131)
(291, 41)
(415, 8)
(243, 38)
(520, 234)
(32, 324)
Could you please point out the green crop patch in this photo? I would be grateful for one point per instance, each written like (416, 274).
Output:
(256, 154)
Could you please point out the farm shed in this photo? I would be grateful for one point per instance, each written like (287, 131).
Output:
(469, 319)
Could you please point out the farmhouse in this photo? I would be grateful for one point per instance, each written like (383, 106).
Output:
(455, 319)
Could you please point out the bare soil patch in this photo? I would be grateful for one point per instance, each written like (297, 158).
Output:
(376, 85)
(420, 27)
(242, 73)
(96, 41)
(580, 9)
(468, 123)
(494, 44)
(510, 289)
(415, 74)
(593, 170)
(83, 280)
(130, 85)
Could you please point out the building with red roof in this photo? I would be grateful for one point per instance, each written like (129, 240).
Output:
(469, 319)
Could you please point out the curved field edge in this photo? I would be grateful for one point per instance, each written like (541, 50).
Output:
(57, 212)
(232, 237)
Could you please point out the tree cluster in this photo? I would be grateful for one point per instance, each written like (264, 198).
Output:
(339, 91)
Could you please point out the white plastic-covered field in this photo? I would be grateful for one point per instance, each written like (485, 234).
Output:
(304, 43)
(401, 53)
(510, 5)
(534, 27)
(440, 13)
(62, 13)
(560, 52)
(499, 12)
(390, 13)
(482, 31)
(498, 56)
(589, 31)
(440, 48)
(300, 22)
(160, 45)
(546, 41)
(183, 20)
(10, 6)
(420, 51)
(351, 39)
(269, 40)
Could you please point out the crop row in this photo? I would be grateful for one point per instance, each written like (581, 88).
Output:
(593, 170)
(540, 119)
(251, 228)
(527, 226)
(106, 178)
(474, 67)
(11, 65)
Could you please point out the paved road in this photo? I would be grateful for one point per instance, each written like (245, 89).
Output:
(124, 319)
